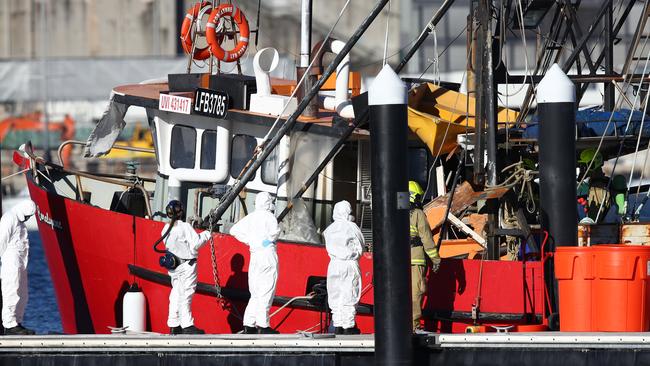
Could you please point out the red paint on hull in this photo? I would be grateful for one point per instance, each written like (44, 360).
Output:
(88, 250)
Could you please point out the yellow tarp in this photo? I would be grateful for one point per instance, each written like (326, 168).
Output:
(437, 115)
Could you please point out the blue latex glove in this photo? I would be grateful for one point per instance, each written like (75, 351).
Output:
(266, 243)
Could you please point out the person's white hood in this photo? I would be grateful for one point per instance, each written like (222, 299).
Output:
(342, 211)
(24, 210)
(263, 202)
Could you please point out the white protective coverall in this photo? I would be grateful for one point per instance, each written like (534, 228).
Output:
(183, 242)
(344, 242)
(14, 253)
(259, 230)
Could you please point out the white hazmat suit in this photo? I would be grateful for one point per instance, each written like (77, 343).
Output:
(183, 242)
(14, 253)
(259, 230)
(344, 242)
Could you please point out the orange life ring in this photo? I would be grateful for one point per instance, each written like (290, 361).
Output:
(186, 34)
(215, 42)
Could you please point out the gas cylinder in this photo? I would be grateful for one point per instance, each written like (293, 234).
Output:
(134, 309)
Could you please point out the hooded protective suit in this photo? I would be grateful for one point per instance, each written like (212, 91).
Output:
(344, 242)
(259, 230)
(183, 242)
(14, 253)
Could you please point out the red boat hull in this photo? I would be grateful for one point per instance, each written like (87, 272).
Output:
(89, 251)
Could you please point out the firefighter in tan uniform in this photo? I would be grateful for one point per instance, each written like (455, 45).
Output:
(422, 245)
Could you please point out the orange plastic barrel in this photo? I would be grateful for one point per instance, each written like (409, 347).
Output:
(574, 270)
(621, 293)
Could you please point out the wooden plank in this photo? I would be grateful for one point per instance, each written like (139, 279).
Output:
(464, 197)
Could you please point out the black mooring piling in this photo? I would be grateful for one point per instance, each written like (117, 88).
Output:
(557, 163)
(390, 219)
(557, 171)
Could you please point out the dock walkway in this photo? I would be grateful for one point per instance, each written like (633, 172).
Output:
(550, 348)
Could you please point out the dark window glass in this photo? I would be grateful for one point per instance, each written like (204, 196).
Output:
(270, 168)
(241, 152)
(209, 150)
(418, 165)
(183, 149)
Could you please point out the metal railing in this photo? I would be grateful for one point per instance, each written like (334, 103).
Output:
(118, 147)
(128, 180)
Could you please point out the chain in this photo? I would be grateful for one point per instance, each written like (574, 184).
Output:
(215, 271)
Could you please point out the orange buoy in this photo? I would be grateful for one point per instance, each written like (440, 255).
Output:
(186, 35)
(215, 42)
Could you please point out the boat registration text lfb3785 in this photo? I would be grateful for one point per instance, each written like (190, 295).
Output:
(211, 103)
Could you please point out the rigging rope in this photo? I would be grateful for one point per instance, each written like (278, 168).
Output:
(618, 104)
(386, 36)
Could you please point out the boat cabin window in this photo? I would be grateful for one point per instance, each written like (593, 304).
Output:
(183, 148)
(209, 150)
(241, 152)
(270, 169)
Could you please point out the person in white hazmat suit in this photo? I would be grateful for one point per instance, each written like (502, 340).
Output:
(14, 254)
(259, 230)
(344, 243)
(184, 243)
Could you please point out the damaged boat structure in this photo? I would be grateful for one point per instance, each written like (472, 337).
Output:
(501, 188)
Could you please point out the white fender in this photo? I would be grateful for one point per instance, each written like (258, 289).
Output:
(134, 311)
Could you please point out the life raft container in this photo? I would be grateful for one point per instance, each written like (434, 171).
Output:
(215, 41)
(195, 12)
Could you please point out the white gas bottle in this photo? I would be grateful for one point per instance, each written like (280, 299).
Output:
(134, 309)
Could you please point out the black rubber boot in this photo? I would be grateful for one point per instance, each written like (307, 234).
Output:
(250, 330)
(176, 330)
(267, 330)
(19, 330)
(193, 330)
(338, 330)
(353, 330)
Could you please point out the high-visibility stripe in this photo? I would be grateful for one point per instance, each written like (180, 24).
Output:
(432, 253)
(414, 230)
(418, 262)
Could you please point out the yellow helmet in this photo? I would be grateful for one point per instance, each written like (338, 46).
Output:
(415, 190)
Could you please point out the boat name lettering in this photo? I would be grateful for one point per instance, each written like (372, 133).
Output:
(174, 103)
(46, 219)
(210, 103)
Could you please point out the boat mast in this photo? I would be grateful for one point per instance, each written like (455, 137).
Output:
(486, 115)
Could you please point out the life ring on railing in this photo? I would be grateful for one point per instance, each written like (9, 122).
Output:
(194, 12)
(215, 42)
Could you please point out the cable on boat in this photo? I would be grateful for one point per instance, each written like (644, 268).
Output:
(386, 36)
(15, 174)
(621, 144)
(444, 137)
